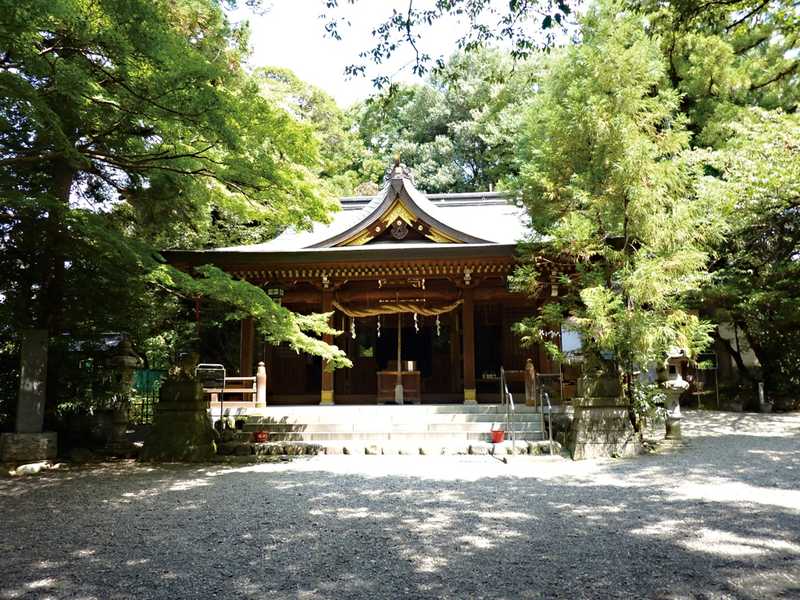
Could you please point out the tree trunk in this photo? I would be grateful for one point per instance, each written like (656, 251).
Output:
(736, 355)
(51, 305)
(52, 308)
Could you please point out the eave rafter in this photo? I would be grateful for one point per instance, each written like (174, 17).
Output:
(355, 272)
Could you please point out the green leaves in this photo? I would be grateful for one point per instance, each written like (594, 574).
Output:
(130, 126)
(456, 132)
(609, 182)
(757, 271)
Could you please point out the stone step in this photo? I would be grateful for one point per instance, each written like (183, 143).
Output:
(405, 436)
(342, 419)
(424, 447)
(391, 408)
(487, 421)
(412, 412)
(369, 427)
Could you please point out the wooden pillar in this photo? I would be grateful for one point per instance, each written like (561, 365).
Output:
(246, 340)
(326, 396)
(468, 329)
(456, 363)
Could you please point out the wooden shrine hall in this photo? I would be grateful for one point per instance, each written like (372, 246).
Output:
(415, 280)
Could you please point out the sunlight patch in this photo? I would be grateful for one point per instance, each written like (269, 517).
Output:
(39, 584)
(737, 492)
(431, 564)
(363, 512)
(668, 527)
(187, 484)
(142, 493)
(476, 542)
(49, 564)
(724, 543)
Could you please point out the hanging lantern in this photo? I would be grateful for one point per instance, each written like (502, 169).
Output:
(438, 327)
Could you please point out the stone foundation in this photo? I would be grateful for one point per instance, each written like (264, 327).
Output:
(602, 428)
(28, 447)
(182, 428)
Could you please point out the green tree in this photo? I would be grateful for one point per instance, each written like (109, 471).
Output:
(723, 55)
(736, 66)
(527, 24)
(611, 189)
(345, 162)
(456, 131)
(128, 126)
(756, 281)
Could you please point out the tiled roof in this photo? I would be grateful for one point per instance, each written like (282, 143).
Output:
(480, 217)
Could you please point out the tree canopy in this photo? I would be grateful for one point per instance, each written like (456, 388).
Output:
(457, 130)
(132, 126)
(610, 186)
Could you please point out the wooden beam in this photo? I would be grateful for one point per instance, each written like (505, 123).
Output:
(326, 395)
(246, 340)
(468, 328)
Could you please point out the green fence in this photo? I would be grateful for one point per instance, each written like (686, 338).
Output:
(146, 383)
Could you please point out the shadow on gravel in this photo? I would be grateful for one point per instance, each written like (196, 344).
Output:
(721, 519)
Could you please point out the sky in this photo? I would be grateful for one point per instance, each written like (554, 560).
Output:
(291, 34)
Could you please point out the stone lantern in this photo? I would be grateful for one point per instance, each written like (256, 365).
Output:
(122, 363)
(674, 386)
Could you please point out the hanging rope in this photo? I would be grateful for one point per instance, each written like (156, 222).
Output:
(394, 308)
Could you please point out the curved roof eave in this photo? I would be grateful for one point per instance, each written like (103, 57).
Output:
(400, 186)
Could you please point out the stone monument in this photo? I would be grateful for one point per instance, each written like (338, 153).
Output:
(601, 426)
(182, 429)
(29, 443)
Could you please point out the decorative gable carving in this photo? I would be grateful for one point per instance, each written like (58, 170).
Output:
(403, 215)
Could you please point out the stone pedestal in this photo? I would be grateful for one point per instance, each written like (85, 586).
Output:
(118, 444)
(28, 443)
(674, 388)
(28, 447)
(182, 429)
(673, 416)
(601, 426)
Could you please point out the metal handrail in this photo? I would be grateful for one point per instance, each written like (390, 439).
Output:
(507, 401)
(546, 398)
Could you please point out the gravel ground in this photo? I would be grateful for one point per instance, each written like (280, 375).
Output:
(716, 518)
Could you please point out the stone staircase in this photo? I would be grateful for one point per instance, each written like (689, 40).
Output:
(407, 429)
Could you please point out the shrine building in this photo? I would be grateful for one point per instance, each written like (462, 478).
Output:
(419, 280)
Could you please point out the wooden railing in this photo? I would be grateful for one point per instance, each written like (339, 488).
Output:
(220, 385)
(528, 377)
(234, 385)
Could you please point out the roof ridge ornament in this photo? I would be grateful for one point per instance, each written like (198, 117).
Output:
(398, 171)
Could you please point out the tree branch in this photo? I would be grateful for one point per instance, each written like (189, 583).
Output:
(777, 77)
